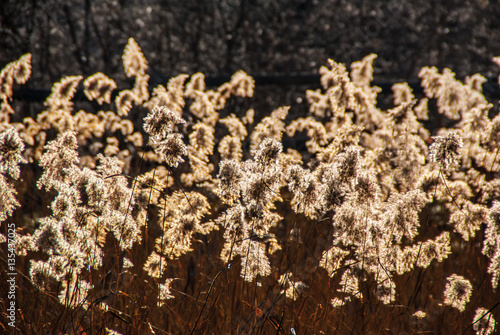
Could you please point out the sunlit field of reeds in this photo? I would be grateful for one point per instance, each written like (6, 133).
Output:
(167, 213)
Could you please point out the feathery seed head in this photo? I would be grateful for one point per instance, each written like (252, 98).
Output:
(457, 292)
(445, 149)
(268, 152)
(160, 121)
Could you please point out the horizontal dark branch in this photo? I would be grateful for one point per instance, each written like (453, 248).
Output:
(490, 88)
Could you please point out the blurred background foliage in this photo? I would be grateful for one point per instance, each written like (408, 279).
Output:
(261, 37)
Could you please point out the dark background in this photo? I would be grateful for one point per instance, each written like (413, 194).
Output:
(261, 37)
